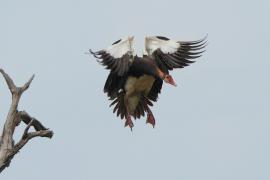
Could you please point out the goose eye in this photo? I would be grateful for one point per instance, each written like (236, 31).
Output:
(163, 38)
(116, 42)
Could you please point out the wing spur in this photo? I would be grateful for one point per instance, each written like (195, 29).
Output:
(169, 54)
(118, 57)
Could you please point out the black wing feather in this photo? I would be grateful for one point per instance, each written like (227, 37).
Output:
(113, 84)
(116, 65)
(155, 90)
(185, 54)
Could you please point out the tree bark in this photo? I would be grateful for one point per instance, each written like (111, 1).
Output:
(8, 148)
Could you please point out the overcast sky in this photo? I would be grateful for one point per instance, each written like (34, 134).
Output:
(214, 125)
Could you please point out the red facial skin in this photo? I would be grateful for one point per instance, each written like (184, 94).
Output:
(166, 77)
(169, 79)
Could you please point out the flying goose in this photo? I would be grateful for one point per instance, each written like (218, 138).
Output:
(134, 82)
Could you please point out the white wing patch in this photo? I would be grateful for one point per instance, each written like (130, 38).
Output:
(125, 46)
(166, 46)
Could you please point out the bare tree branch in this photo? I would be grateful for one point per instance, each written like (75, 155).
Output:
(27, 136)
(14, 117)
(27, 84)
(25, 133)
(9, 82)
(26, 118)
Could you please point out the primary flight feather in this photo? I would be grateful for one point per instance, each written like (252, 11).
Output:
(134, 83)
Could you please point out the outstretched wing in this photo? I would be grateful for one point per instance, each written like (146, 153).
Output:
(169, 54)
(118, 57)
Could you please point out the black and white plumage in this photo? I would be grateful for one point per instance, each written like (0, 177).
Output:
(135, 82)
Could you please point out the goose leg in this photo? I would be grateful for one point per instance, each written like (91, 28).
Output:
(128, 116)
(150, 117)
(129, 122)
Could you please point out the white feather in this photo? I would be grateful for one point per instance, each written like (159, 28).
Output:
(166, 46)
(125, 46)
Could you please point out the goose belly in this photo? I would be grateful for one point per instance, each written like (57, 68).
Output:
(135, 87)
(142, 84)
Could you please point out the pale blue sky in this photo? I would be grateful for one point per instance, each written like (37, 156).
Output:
(214, 125)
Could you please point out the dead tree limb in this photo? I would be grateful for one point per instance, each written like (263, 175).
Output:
(8, 148)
